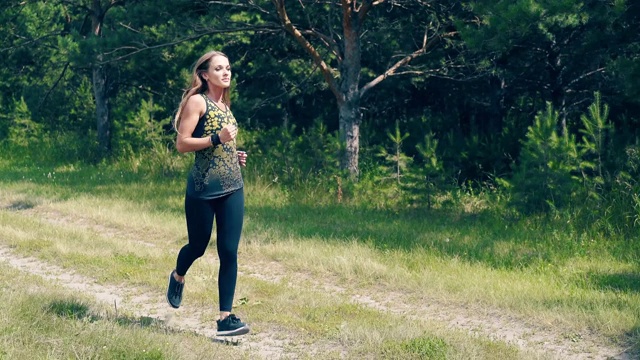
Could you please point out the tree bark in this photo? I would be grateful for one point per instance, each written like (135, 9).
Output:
(103, 118)
(350, 116)
(349, 108)
(100, 80)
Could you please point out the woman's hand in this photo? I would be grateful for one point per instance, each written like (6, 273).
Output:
(228, 133)
(242, 158)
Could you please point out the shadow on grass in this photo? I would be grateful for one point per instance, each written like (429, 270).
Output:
(478, 237)
(69, 309)
(626, 282)
(631, 344)
(77, 310)
(21, 205)
(159, 194)
(446, 232)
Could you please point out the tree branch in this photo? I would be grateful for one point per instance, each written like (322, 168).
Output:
(250, 5)
(113, 3)
(427, 44)
(585, 75)
(30, 41)
(257, 107)
(366, 6)
(55, 84)
(329, 42)
(175, 42)
(74, 4)
(306, 45)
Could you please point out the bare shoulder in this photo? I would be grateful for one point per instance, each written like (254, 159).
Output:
(195, 105)
(196, 100)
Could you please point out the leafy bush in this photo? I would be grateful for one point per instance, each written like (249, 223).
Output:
(297, 159)
(22, 130)
(546, 178)
(580, 182)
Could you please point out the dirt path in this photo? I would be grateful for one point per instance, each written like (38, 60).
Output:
(493, 324)
(482, 322)
(144, 304)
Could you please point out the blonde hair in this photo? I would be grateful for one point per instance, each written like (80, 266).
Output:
(199, 84)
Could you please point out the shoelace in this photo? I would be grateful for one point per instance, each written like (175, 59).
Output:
(178, 288)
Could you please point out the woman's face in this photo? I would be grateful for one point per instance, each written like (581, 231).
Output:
(219, 73)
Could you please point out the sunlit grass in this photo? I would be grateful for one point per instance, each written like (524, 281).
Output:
(574, 295)
(303, 263)
(39, 321)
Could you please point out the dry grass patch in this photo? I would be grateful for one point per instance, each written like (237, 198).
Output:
(65, 325)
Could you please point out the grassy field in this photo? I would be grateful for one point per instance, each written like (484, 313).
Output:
(316, 281)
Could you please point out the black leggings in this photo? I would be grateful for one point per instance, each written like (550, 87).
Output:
(228, 212)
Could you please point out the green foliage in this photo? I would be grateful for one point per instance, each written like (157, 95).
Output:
(579, 181)
(596, 131)
(545, 177)
(419, 348)
(429, 178)
(393, 165)
(54, 148)
(306, 159)
(71, 309)
(397, 179)
(615, 209)
(23, 131)
(512, 58)
(141, 130)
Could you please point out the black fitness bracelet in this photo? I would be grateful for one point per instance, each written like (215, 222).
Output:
(215, 140)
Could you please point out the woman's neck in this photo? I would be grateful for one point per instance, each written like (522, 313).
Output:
(216, 94)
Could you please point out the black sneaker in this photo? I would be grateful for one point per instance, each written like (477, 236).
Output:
(174, 292)
(231, 326)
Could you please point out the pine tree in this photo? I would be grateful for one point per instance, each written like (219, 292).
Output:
(545, 177)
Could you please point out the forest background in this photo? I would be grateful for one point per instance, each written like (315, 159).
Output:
(462, 156)
(529, 106)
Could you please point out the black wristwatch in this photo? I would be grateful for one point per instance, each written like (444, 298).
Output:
(215, 140)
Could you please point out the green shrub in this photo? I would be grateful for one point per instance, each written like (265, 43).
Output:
(418, 348)
(545, 177)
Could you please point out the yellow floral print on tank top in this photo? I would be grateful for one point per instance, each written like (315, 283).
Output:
(216, 170)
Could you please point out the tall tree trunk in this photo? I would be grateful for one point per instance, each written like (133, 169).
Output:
(497, 108)
(350, 116)
(346, 88)
(102, 108)
(100, 85)
(557, 85)
(349, 107)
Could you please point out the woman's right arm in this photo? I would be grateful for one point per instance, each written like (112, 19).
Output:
(193, 110)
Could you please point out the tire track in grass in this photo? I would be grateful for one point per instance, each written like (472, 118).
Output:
(490, 323)
(270, 343)
(496, 324)
(147, 304)
(493, 324)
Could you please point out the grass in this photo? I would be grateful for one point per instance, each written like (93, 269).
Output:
(301, 268)
(39, 321)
